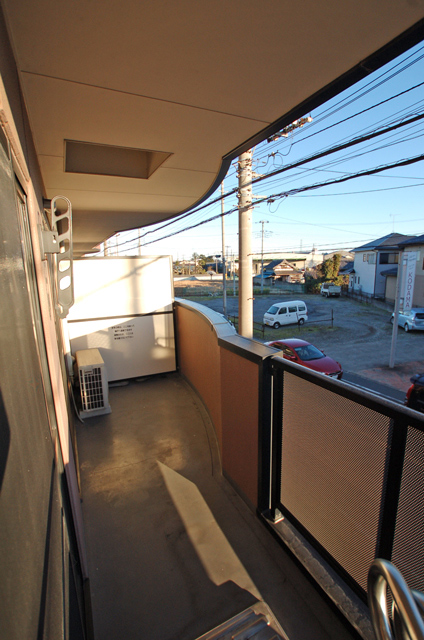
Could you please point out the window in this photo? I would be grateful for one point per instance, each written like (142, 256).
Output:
(292, 309)
(309, 353)
(282, 310)
(369, 257)
(389, 258)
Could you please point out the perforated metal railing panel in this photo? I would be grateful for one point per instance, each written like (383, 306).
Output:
(333, 471)
(408, 547)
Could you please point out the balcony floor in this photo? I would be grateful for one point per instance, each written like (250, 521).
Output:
(172, 549)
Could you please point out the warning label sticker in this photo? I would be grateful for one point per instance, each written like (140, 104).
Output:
(122, 331)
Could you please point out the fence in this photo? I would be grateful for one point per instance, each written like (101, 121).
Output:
(258, 327)
(357, 295)
(330, 320)
(347, 471)
(290, 287)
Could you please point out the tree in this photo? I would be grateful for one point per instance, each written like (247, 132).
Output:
(200, 260)
(312, 284)
(329, 269)
(336, 264)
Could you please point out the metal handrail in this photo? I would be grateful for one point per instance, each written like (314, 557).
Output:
(405, 622)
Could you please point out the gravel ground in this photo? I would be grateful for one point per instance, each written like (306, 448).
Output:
(360, 337)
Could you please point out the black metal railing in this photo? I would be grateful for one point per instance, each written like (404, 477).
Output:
(346, 468)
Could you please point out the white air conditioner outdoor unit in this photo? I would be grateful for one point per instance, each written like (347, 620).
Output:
(93, 383)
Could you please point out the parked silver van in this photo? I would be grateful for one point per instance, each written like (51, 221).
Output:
(292, 312)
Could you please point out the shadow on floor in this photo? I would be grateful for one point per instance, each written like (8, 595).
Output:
(172, 549)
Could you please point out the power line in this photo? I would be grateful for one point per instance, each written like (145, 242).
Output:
(371, 86)
(322, 154)
(317, 117)
(374, 106)
(346, 158)
(346, 101)
(354, 193)
(272, 198)
(340, 147)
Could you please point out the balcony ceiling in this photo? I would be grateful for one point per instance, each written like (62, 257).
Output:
(198, 81)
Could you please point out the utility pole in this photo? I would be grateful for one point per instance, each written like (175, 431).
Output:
(233, 267)
(224, 264)
(262, 222)
(291, 127)
(245, 245)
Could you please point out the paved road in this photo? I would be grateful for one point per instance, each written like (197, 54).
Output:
(360, 339)
(380, 388)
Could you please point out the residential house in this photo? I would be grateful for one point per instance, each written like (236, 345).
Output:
(283, 270)
(371, 263)
(299, 259)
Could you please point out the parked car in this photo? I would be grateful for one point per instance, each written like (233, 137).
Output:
(308, 355)
(415, 394)
(412, 320)
(291, 312)
(330, 289)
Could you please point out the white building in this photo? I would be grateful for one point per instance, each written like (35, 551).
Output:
(371, 260)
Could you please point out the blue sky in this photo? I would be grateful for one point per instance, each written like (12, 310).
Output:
(336, 216)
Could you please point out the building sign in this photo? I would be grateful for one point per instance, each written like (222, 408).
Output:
(410, 262)
(122, 331)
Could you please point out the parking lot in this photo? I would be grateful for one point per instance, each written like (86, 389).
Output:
(360, 337)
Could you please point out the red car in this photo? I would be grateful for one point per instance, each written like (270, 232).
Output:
(309, 356)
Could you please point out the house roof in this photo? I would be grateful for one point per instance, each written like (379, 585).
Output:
(138, 110)
(271, 265)
(415, 240)
(391, 241)
(347, 267)
(390, 272)
(281, 267)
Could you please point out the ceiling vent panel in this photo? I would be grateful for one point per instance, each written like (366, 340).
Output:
(107, 160)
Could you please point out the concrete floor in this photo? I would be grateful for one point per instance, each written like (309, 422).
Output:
(172, 549)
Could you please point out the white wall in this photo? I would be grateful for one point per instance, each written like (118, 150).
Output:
(364, 276)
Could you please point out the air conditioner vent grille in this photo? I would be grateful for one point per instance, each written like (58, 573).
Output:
(91, 389)
(93, 383)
